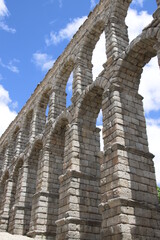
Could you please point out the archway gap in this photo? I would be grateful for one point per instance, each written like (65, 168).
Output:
(27, 128)
(141, 59)
(33, 164)
(65, 84)
(137, 55)
(138, 12)
(149, 88)
(90, 156)
(43, 104)
(58, 148)
(94, 49)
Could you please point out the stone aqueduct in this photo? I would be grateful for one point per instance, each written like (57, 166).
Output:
(55, 181)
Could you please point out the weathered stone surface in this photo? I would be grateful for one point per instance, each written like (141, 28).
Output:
(55, 183)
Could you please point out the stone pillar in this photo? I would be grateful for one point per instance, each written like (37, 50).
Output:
(21, 210)
(57, 104)
(5, 205)
(79, 187)
(18, 147)
(42, 219)
(2, 160)
(46, 198)
(116, 37)
(129, 202)
(82, 76)
(5, 160)
(34, 123)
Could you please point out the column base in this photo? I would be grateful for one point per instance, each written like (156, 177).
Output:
(125, 219)
(76, 228)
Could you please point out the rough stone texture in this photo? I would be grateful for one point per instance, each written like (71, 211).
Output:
(55, 183)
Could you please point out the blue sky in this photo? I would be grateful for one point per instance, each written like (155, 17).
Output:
(34, 33)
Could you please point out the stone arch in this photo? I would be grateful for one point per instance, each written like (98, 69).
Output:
(61, 79)
(137, 55)
(13, 146)
(4, 178)
(57, 166)
(6, 175)
(90, 159)
(26, 129)
(15, 195)
(91, 39)
(84, 56)
(52, 160)
(5, 200)
(2, 158)
(40, 113)
(19, 164)
(32, 168)
(127, 156)
(88, 106)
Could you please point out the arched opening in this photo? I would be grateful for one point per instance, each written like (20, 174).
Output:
(134, 175)
(26, 133)
(16, 188)
(30, 198)
(47, 112)
(2, 188)
(42, 112)
(57, 153)
(99, 56)
(99, 124)
(5, 200)
(91, 159)
(13, 147)
(94, 50)
(141, 12)
(150, 88)
(2, 159)
(65, 86)
(69, 90)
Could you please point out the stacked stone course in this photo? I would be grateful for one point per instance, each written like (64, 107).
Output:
(55, 183)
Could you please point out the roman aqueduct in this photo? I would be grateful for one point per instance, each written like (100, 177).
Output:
(55, 181)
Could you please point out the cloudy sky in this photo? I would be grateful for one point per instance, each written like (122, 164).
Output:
(34, 33)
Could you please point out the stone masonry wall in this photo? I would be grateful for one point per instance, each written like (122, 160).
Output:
(55, 183)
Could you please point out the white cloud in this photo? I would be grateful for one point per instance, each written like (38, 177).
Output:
(5, 13)
(65, 33)
(136, 21)
(10, 66)
(6, 28)
(150, 86)
(153, 131)
(43, 60)
(3, 9)
(7, 115)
